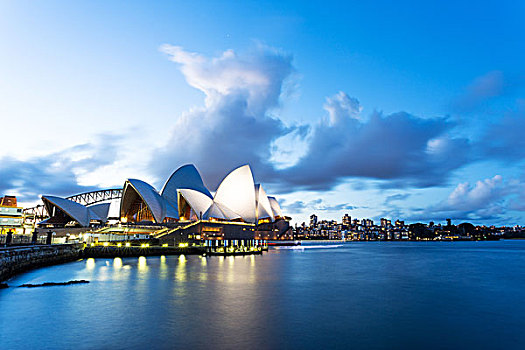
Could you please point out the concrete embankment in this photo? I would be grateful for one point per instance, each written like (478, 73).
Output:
(18, 259)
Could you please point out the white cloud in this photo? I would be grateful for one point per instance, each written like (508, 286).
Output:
(235, 126)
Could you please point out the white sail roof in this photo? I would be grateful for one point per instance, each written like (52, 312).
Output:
(101, 210)
(76, 211)
(219, 211)
(276, 208)
(159, 207)
(263, 207)
(171, 212)
(186, 177)
(236, 192)
(198, 201)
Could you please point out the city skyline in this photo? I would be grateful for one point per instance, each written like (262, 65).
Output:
(403, 111)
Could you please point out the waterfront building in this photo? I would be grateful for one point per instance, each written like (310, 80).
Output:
(13, 225)
(239, 208)
(11, 216)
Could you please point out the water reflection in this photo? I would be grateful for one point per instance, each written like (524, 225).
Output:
(142, 264)
(180, 271)
(230, 274)
(117, 263)
(163, 268)
(203, 275)
(90, 264)
(280, 300)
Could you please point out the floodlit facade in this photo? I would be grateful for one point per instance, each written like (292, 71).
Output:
(237, 192)
(63, 211)
(237, 198)
(185, 177)
(141, 202)
(183, 198)
(276, 208)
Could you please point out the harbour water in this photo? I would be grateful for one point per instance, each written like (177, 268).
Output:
(358, 295)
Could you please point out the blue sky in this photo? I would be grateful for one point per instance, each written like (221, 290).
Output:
(399, 109)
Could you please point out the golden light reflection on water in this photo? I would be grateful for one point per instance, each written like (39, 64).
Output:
(221, 264)
(180, 271)
(203, 276)
(120, 271)
(142, 264)
(230, 275)
(163, 268)
(252, 273)
(117, 263)
(90, 264)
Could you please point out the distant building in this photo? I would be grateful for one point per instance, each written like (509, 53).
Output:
(367, 222)
(313, 220)
(347, 220)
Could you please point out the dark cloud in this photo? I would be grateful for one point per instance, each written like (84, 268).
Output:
(294, 207)
(504, 138)
(315, 206)
(237, 125)
(396, 197)
(57, 173)
(337, 207)
(479, 91)
(404, 149)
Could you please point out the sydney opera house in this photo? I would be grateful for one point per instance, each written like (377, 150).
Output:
(183, 209)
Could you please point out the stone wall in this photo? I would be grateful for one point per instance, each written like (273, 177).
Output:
(18, 259)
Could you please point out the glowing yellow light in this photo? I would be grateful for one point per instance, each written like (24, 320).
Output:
(117, 262)
(128, 244)
(183, 245)
(92, 244)
(142, 265)
(106, 244)
(147, 245)
(90, 264)
(165, 245)
(142, 245)
(119, 244)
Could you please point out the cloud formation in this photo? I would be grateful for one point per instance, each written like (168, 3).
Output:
(483, 88)
(396, 197)
(488, 199)
(238, 124)
(400, 147)
(57, 173)
(315, 206)
(504, 139)
(235, 126)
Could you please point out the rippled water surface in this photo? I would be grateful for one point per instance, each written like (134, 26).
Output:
(370, 295)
